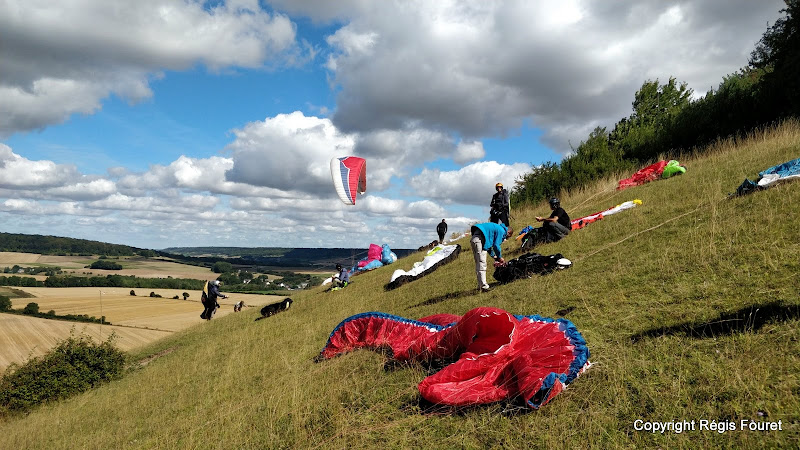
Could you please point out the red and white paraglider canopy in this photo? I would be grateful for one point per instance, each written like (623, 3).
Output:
(349, 174)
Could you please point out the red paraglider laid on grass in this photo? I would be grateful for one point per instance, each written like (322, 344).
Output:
(497, 356)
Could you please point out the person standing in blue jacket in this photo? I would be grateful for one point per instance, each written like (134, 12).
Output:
(487, 236)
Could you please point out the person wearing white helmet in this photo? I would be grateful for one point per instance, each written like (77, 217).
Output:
(210, 302)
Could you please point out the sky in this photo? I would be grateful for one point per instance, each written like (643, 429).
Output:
(172, 123)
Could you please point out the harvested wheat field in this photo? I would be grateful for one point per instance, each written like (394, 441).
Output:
(65, 262)
(11, 258)
(155, 268)
(137, 320)
(121, 308)
(23, 337)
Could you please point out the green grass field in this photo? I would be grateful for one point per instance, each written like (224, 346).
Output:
(689, 305)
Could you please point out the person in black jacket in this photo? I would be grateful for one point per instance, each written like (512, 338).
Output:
(555, 227)
(499, 208)
(441, 230)
(210, 300)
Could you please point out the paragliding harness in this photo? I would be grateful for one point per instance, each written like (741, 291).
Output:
(535, 237)
(529, 264)
(210, 307)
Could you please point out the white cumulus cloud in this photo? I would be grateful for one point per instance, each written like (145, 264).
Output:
(92, 49)
(472, 184)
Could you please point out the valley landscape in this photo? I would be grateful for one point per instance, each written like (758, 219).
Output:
(552, 225)
(688, 313)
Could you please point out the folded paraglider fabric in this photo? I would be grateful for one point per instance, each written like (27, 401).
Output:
(672, 168)
(437, 257)
(497, 356)
(377, 256)
(581, 222)
(782, 172)
(661, 169)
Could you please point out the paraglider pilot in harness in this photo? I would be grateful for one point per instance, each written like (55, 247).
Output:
(499, 207)
(487, 236)
(553, 228)
(441, 230)
(342, 277)
(210, 301)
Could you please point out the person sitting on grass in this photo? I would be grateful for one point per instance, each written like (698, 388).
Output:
(553, 228)
(342, 277)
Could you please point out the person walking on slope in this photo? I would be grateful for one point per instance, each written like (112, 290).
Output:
(499, 208)
(210, 301)
(441, 230)
(487, 236)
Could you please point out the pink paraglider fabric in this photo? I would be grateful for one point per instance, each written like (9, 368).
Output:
(496, 355)
(373, 253)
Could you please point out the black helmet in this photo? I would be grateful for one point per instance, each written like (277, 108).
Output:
(338, 267)
(554, 202)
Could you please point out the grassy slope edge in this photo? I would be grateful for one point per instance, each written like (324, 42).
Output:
(687, 259)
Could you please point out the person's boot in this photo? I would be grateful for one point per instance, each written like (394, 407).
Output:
(484, 286)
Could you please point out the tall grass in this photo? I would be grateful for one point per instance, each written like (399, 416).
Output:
(673, 298)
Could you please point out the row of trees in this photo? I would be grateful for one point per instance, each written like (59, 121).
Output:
(49, 270)
(32, 309)
(106, 265)
(666, 121)
(123, 281)
(107, 281)
(54, 245)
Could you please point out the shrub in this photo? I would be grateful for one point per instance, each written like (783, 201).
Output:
(105, 264)
(31, 308)
(133, 293)
(153, 294)
(185, 295)
(73, 366)
(176, 298)
(5, 303)
(228, 278)
(222, 267)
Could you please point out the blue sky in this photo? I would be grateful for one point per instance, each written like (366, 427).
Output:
(165, 123)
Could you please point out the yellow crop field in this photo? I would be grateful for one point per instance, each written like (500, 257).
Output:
(22, 337)
(11, 258)
(136, 266)
(152, 268)
(65, 262)
(138, 319)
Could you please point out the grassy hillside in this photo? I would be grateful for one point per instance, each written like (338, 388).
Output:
(689, 304)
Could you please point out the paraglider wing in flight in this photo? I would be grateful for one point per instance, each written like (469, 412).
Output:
(349, 174)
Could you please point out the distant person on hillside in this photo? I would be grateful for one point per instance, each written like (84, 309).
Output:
(238, 306)
(441, 230)
(553, 228)
(342, 277)
(500, 207)
(210, 302)
(487, 236)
